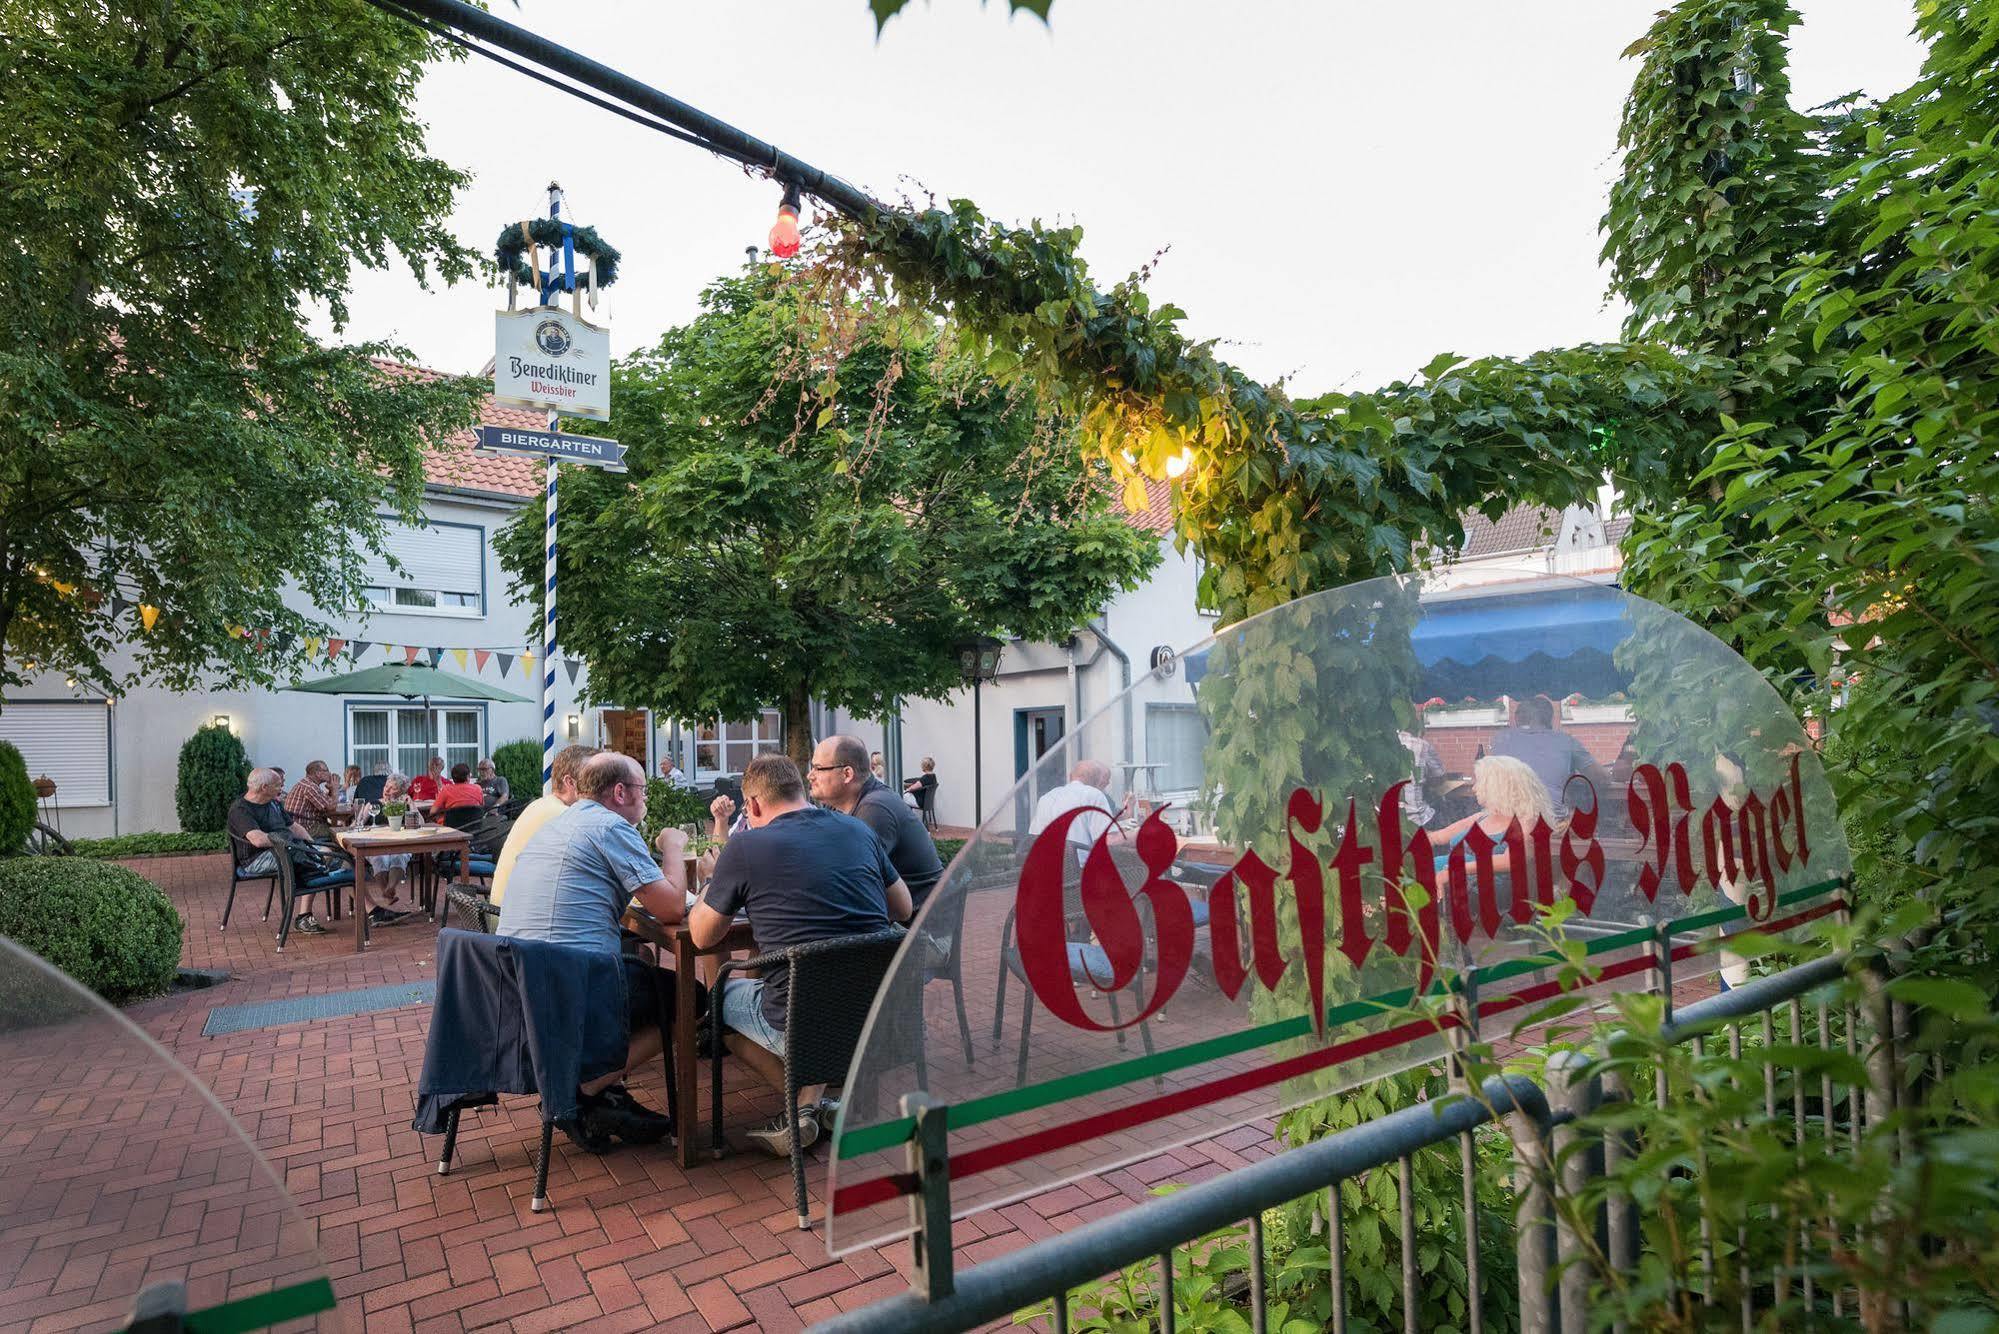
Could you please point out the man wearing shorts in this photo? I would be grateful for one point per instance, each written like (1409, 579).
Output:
(801, 873)
(570, 886)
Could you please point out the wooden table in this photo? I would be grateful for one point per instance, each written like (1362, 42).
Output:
(366, 843)
(671, 938)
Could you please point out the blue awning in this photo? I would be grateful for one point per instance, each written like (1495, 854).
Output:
(1552, 641)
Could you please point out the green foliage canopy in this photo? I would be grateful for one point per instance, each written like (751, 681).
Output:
(811, 521)
(17, 799)
(185, 183)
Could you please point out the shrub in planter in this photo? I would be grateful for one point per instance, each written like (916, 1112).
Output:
(213, 767)
(670, 805)
(17, 799)
(108, 927)
(519, 762)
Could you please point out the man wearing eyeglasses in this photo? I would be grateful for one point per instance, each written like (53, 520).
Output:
(571, 886)
(841, 779)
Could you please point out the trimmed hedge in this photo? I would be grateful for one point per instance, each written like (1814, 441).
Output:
(151, 844)
(108, 927)
(519, 762)
(213, 768)
(947, 848)
(17, 799)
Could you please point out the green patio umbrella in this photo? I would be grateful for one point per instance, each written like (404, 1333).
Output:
(408, 682)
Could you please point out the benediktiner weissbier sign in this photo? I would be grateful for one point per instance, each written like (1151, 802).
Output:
(548, 358)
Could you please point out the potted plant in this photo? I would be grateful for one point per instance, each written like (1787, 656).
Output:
(395, 813)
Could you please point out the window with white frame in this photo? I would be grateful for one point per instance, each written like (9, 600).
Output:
(443, 568)
(725, 748)
(68, 742)
(403, 739)
(1175, 738)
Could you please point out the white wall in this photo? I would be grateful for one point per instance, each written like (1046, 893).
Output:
(288, 728)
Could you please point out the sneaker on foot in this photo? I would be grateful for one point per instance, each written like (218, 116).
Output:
(775, 1138)
(587, 1131)
(626, 1117)
(826, 1111)
(307, 924)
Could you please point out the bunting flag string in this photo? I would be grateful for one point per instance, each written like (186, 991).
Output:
(573, 666)
(458, 656)
(359, 646)
(506, 661)
(333, 649)
(479, 656)
(409, 655)
(436, 656)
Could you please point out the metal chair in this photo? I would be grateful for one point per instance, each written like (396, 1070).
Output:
(471, 912)
(833, 986)
(942, 937)
(291, 888)
(241, 851)
(1081, 973)
(488, 829)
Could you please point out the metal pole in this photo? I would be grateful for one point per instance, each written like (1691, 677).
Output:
(548, 635)
(978, 759)
(930, 1206)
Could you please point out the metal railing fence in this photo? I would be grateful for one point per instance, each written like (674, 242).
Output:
(1554, 1287)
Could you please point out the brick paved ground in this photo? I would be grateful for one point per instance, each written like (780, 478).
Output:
(633, 1242)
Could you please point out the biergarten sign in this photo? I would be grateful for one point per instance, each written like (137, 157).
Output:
(547, 358)
(1324, 892)
(594, 450)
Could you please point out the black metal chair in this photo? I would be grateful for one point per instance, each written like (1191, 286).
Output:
(942, 938)
(489, 831)
(291, 888)
(240, 853)
(1083, 974)
(833, 986)
(369, 789)
(926, 801)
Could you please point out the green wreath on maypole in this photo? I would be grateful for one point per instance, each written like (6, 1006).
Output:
(547, 233)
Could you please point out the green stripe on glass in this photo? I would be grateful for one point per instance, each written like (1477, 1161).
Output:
(263, 1310)
(871, 1139)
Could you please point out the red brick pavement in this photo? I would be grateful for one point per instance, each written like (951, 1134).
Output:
(631, 1243)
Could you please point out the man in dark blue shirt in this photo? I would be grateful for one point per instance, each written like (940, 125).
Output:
(800, 873)
(842, 780)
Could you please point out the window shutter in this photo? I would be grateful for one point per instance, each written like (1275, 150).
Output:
(444, 560)
(71, 743)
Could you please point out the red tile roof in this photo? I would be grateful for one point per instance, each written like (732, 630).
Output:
(455, 461)
(1157, 516)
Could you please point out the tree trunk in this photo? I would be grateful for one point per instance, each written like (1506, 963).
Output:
(798, 739)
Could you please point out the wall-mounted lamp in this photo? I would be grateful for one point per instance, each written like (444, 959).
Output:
(575, 726)
(222, 720)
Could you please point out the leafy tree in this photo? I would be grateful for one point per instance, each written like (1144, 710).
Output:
(186, 182)
(807, 520)
(213, 768)
(519, 762)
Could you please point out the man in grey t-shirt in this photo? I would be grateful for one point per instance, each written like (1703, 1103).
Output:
(1552, 755)
(841, 780)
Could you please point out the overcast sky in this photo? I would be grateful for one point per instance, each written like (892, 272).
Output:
(1346, 187)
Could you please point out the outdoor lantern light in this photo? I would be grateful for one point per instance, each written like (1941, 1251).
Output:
(978, 660)
(784, 233)
(221, 720)
(575, 726)
(1177, 465)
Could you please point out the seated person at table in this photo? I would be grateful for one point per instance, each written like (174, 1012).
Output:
(493, 784)
(392, 867)
(253, 818)
(570, 886)
(561, 796)
(1087, 790)
(1507, 790)
(1552, 755)
(460, 791)
(842, 780)
(800, 873)
(424, 786)
(312, 799)
(350, 783)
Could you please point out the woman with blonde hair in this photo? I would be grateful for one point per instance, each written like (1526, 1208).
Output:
(1506, 790)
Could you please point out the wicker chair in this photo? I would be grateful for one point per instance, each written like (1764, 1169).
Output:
(472, 912)
(833, 986)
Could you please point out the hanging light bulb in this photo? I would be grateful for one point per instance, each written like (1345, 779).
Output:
(1177, 465)
(784, 233)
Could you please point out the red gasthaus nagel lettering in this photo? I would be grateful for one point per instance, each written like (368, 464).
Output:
(1750, 844)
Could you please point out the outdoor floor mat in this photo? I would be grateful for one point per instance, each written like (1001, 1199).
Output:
(296, 1009)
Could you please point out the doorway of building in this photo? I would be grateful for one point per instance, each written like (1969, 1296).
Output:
(1035, 733)
(629, 732)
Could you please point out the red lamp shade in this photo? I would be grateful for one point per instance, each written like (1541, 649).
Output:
(784, 233)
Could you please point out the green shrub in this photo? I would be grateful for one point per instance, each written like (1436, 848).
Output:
(519, 762)
(149, 844)
(17, 799)
(670, 805)
(213, 767)
(110, 928)
(947, 848)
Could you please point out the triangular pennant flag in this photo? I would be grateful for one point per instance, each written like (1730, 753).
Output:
(283, 640)
(333, 647)
(148, 617)
(572, 664)
(479, 656)
(359, 647)
(436, 655)
(506, 661)
(458, 655)
(527, 664)
(119, 606)
(311, 646)
(409, 655)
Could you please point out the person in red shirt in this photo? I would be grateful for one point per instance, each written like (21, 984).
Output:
(424, 787)
(460, 791)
